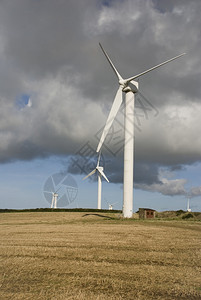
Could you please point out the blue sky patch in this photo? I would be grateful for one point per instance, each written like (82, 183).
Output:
(22, 101)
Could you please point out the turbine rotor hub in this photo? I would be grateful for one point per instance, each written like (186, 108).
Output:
(123, 82)
(124, 85)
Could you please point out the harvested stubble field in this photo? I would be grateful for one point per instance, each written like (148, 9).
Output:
(71, 255)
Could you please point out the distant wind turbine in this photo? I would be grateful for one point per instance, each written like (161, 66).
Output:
(188, 205)
(54, 200)
(129, 86)
(55, 196)
(101, 174)
(110, 205)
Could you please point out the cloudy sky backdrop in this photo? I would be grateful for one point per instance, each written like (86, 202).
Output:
(56, 90)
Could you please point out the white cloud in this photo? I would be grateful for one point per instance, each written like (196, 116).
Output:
(166, 187)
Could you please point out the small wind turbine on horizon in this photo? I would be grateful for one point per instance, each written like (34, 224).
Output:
(129, 86)
(188, 204)
(110, 205)
(100, 174)
(54, 200)
(55, 196)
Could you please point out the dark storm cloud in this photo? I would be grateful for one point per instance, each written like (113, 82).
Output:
(49, 50)
(113, 168)
(42, 36)
(146, 176)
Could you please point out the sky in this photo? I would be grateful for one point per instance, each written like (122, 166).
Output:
(57, 88)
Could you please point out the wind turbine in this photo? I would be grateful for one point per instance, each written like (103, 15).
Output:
(188, 205)
(110, 205)
(129, 86)
(54, 198)
(101, 174)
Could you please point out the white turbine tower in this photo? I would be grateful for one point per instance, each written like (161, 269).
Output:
(188, 205)
(100, 173)
(129, 86)
(54, 200)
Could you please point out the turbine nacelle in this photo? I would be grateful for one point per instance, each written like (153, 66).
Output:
(126, 87)
(100, 169)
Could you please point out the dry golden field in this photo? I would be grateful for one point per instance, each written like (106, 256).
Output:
(71, 255)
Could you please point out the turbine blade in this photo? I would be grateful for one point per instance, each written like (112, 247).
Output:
(92, 172)
(153, 68)
(98, 159)
(114, 203)
(113, 112)
(102, 174)
(58, 189)
(106, 201)
(111, 63)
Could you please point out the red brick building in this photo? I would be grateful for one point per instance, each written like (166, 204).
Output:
(146, 213)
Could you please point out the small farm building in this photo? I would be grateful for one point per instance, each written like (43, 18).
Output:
(146, 213)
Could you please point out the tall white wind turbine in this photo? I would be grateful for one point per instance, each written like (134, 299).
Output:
(100, 174)
(129, 86)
